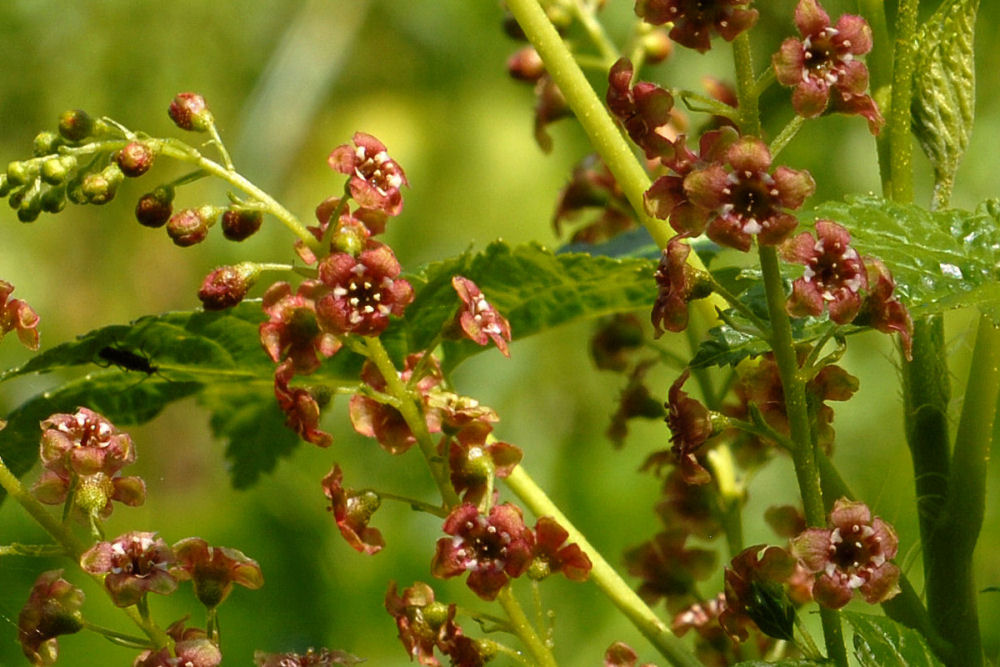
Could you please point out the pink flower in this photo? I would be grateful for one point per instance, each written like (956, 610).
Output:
(480, 321)
(52, 609)
(551, 554)
(621, 654)
(834, 274)
(352, 511)
(292, 332)
(747, 199)
(754, 592)
(474, 463)
(695, 20)
(134, 564)
(882, 310)
(192, 648)
(822, 66)
(364, 291)
(851, 556)
(214, 570)
(302, 410)
(423, 623)
(375, 177)
(16, 315)
(668, 569)
(491, 548)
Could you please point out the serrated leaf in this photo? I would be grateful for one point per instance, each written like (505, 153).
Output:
(789, 662)
(881, 642)
(944, 85)
(940, 260)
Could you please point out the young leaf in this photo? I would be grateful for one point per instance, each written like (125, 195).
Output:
(881, 642)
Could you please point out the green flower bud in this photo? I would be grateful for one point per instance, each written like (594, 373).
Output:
(75, 124)
(21, 172)
(5, 185)
(56, 170)
(100, 187)
(31, 204)
(54, 199)
(46, 143)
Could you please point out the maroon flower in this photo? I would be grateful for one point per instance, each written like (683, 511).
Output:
(480, 321)
(423, 623)
(492, 549)
(189, 226)
(852, 555)
(16, 315)
(189, 112)
(668, 569)
(239, 224)
(823, 65)
(375, 177)
(155, 208)
(385, 423)
(214, 570)
(621, 654)
(311, 658)
(592, 186)
(192, 648)
(551, 554)
(292, 332)
(634, 401)
(882, 310)
(834, 274)
(690, 508)
(135, 159)
(227, 286)
(615, 338)
(677, 283)
(134, 564)
(690, 426)
(642, 109)
(474, 464)
(352, 510)
(52, 609)
(364, 291)
(695, 20)
(550, 106)
(754, 592)
(301, 407)
(526, 65)
(748, 199)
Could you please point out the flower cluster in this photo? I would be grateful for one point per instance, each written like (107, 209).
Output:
(694, 22)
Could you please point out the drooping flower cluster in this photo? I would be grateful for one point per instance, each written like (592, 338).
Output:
(823, 67)
(593, 187)
(84, 453)
(16, 315)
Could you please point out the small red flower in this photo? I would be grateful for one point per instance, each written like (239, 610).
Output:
(491, 548)
(474, 463)
(134, 564)
(642, 109)
(480, 321)
(16, 315)
(214, 570)
(690, 426)
(302, 410)
(823, 65)
(834, 274)
(352, 510)
(423, 623)
(678, 283)
(621, 654)
(695, 20)
(364, 291)
(851, 556)
(52, 609)
(754, 592)
(882, 310)
(292, 332)
(551, 554)
(668, 569)
(375, 177)
(189, 112)
(747, 199)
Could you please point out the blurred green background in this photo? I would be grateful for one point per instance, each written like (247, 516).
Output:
(288, 80)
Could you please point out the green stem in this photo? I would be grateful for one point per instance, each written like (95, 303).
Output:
(746, 88)
(521, 626)
(900, 185)
(786, 135)
(414, 418)
(596, 32)
(605, 576)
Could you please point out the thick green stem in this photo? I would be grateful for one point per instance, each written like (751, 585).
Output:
(605, 576)
(521, 626)
(899, 188)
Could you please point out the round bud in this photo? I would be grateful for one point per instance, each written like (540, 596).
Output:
(54, 199)
(228, 285)
(154, 208)
(526, 65)
(239, 224)
(56, 170)
(21, 172)
(135, 159)
(100, 187)
(187, 227)
(31, 205)
(46, 143)
(189, 112)
(75, 124)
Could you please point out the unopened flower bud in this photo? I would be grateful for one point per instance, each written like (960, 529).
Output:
(31, 204)
(57, 169)
(154, 208)
(657, 45)
(228, 285)
(54, 199)
(100, 187)
(46, 143)
(190, 226)
(21, 172)
(526, 65)
(189, 112)
(5, 185)
(75, 124)
(239, 224)
(135, 159)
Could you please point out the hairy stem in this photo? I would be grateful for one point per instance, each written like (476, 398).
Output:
(521, 626)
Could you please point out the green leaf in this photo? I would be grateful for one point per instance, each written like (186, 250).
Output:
(944, 86)
(940, 260)
(789, 662)
(881, 642)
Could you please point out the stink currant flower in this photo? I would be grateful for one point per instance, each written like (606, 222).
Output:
(324, 657)
(884, 311)
(694, 20)
(822, 65)
(52, 609)
(834, 275)
(551, 553)
(423, 623)
(474, 463)
(16, 315)
(677, 283)
(375, 177)
(134, 564)
(480, 321)
(642, 109)
(690, 425)
(747, 199)
(292, 332)
(754, 593)
(492, 549)
(852, 555)
(352, 510)
(364, 291)
(214, 570)
(668, 569)
(301, 407)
